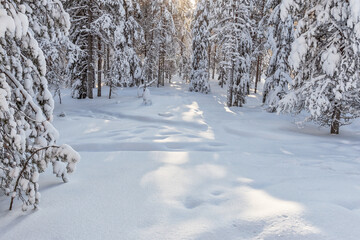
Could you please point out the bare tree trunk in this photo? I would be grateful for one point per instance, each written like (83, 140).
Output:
(214, 63)
(108, 72)
(105, 70)
(163, 68)
(90, 63)
(159, 71)
(160, 67)
(209, 60)
(258, 72)
(59, 94)
(230, 87)
(182, 56)
(108, 61)
(335, 124)
(100, 67)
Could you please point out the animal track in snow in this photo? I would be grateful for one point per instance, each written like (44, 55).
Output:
(166, 115)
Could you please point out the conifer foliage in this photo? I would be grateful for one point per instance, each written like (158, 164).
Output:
(236, 44)
(27, 137)
(280, 36)
(160, 42)
(199, 81)
(325, 57)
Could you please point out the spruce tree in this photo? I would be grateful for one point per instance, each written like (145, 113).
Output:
(160, 45)
(199, 81)
(236, 44)
(182, 15)
(280, 36)
(126, 68)
(27, 137)
(325, 57)
(56, 45)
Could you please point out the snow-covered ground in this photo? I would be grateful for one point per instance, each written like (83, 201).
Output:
(188, 167)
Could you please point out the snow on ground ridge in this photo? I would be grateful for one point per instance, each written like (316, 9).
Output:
(204, 172)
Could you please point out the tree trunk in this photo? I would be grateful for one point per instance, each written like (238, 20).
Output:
(108, 62)
(209, 59)
(159, 71)
(100, 67)
(90, 63)
(230, 87)
(110, 91)
(258, 72)
(335, 124)
(59, 94)
(222, 81)
(163, 69)
(214, 63)
(182, 57)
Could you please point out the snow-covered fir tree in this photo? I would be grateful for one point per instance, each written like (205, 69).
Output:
(235, 40)
(45, 21)
(183, 10)
(280, 36)
(217, 14)
(199, 81)
(27, 137)
(258, 36)
(160, 45)
(325, 57)
(79, 35)
(126, 67)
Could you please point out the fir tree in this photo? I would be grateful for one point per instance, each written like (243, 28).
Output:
(27, 137)
(236, 43)
(279, 39)
(160, 48)
(325, 57)
(200, 65)
(182, 19)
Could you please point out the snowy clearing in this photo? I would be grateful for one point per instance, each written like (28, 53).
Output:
(188, 167)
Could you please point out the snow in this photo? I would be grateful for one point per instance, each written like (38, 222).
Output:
(330, 60)
(284, 9)
(187, 167)
(298, 50)
(355, 8)
(7, 23)
(147, 97)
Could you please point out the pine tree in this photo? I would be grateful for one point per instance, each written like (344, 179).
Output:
(159, 32)
(325, 57)
(200, 65)
(128, 33)
(183, 10)
(86, 16)
(79, 32)
(56, 45)
(259, 17)
(27, 137)
(217, 14)
(236, 43)
(280, 36)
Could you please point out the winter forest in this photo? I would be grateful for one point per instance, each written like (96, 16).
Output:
(180, 119)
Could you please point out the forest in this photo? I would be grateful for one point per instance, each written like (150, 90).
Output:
(187, 119)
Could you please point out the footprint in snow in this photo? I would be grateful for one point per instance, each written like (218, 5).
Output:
(139, 131)
(286, 152)
(191, 203)
(166, 115)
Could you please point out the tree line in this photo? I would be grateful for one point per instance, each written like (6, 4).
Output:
(308, 50)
